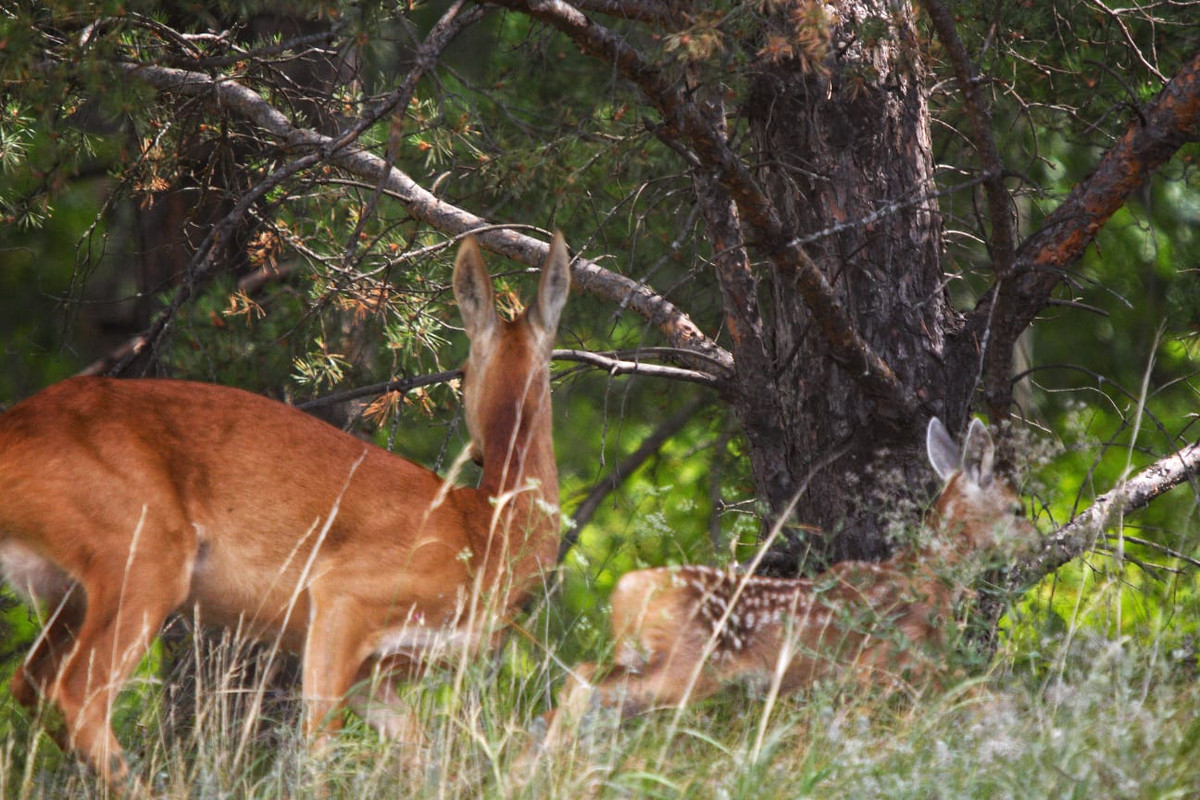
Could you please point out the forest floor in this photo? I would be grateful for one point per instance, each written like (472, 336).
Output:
(1100, 719)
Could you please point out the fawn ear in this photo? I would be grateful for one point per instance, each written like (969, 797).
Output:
(943, 453)
(473, 291)
(553, 288)
(979, 453)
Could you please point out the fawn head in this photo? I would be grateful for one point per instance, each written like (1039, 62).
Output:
(977, 510)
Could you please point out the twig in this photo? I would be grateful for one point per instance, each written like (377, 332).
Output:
(1167, 551)
(398, 385)
(622, 471)
(617, 366)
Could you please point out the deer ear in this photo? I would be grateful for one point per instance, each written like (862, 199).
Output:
(553, 288)
(978, 454)
(473, 290)
(944, 455)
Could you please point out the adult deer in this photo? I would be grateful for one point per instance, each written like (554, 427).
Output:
(681, 633)
(121, 501)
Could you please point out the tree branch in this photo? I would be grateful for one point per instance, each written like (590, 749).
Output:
(1080, 534)
(607, 362)
(1172, 120)
(618, 366)
(201, 262)
(402, 385)
(683, 122)
(587, 276)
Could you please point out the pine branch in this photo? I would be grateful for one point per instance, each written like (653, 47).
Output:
(587, 276)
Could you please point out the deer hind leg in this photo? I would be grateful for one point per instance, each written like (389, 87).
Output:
(33, 677)
(128, 597)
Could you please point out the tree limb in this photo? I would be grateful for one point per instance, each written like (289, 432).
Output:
(402, 385)
(1172, 120)
(202, 261)
(1080, 534)
(618, 366)
(604, 361)
(587, 276)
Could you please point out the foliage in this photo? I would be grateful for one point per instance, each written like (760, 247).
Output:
(329, 282)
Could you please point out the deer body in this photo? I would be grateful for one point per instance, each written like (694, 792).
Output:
(121, 501)
(681, 633)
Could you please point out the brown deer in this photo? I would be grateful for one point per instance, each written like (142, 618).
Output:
(681, 633)
(124, 500)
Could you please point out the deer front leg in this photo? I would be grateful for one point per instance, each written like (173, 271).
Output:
(374, 698)
(120, 620)
(334, 652)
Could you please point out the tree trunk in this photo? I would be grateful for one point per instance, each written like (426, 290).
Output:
(840, 141)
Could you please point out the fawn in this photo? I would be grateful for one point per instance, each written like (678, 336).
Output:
(680, 633)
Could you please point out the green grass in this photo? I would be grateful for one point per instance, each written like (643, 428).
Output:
(1110, 720)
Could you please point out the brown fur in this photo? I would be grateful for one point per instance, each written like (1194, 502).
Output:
(682, 633)
(153, 495)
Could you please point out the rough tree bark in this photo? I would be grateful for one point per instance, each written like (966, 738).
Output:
(840, 139)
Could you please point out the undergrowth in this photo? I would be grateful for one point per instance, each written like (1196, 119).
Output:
(1111, 720)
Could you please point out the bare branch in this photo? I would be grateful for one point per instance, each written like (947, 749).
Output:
(618, 366)
(1080, 534)
(270, 118)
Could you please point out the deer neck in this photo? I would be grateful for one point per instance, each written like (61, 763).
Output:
(520, 485)
(942, 559)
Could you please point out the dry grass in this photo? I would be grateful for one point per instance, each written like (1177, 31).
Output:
(1111, 721)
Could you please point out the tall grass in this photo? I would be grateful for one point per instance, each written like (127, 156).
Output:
(1110, 720)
